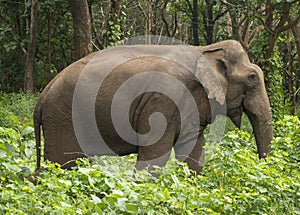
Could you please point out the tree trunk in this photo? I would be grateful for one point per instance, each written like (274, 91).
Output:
(208, 21)
(99, 44)
(290, 77)
(275, 27)
(49, 18)
(148, 22)
(81, 28)
(195, 23)
(28, 83)
(296, 33)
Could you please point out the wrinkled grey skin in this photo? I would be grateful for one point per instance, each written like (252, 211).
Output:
(242, 87)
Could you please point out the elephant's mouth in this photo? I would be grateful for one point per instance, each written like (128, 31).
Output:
(235, 114)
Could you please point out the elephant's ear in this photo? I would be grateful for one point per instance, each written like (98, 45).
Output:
(218, 59)
(211, 75)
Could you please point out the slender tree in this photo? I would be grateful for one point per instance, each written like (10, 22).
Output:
(168, 27)
(28, 85)
(195, 20)
(211, 13)
(148, 21)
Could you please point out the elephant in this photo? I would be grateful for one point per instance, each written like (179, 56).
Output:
(148, 100)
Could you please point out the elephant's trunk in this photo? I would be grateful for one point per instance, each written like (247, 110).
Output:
(259, 112)
(263, 134)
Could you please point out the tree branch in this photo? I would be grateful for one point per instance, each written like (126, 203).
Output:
(163, 17)
(189, 5)
(290, 25)
(176, 25)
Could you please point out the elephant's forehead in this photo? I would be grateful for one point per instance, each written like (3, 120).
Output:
(238, 56)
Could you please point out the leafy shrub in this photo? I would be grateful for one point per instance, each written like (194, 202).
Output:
(234, 180)
(274, 71)
(16, 109)
(286, 144)
(257, 186)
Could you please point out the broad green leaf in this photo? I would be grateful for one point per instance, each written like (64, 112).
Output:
(110, 182)
(175, 180)
(27, 130)
(95, 199)
(132, 208)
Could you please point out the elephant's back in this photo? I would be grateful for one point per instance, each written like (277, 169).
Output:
(56, 99)
(67, 77)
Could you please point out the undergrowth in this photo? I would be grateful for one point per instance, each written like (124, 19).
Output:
(233, 181)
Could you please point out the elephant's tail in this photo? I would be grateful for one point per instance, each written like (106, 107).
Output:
(37, 131)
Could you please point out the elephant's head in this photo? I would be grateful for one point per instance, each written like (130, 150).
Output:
(244, 89)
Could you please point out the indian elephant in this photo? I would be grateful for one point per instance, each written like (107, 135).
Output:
(148, 99)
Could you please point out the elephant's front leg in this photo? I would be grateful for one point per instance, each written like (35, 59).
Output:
(192, 152)
(155, 150)
(156, 154)
(151, 157)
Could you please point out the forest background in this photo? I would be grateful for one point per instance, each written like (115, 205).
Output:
(39, 39)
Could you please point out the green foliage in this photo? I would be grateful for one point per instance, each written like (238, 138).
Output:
(258, 186)
(111, 24)
(16, 110)
(13, 39)
(234, 180)
(274, 73)
(297, 111)
(287, 141)
(275, 91)
(54, 42)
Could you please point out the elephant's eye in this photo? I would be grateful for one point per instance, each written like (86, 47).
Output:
(252, 78)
